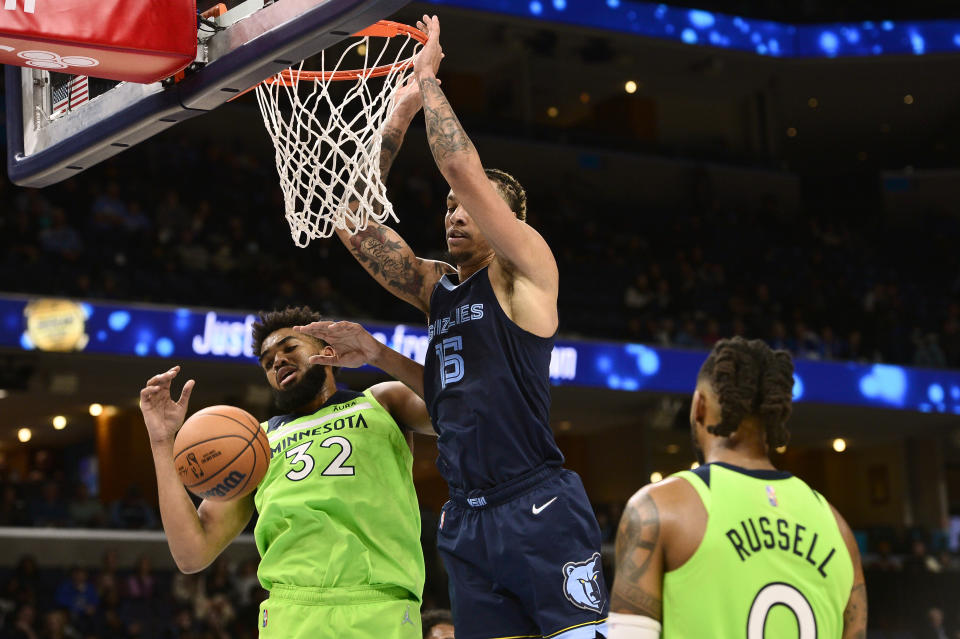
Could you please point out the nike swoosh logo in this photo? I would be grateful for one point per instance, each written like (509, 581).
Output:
(539, 509)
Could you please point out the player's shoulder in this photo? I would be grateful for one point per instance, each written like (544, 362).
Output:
(670, 498)
(388, 394)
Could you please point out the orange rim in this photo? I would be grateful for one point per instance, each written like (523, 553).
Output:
(381, 29)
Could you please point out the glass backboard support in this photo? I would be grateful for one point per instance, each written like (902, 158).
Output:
(253, 41)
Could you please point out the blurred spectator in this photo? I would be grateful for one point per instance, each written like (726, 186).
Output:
(928, 353)
(57, 626)
(245, 583)
(919, 560)
(49, 510)
(132, 511)
(883, 560)
(437, 624)
(86, 511)
(77, 594)
(24, 624)
(183, 625)
(141, 583)
(61, 238)
(13, 509)
(933, 627)
(218, 581)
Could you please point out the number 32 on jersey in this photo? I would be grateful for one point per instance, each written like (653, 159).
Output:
(302, 462)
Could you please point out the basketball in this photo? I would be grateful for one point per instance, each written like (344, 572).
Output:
(221, 453)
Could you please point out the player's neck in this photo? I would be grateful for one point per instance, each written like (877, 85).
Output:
(322, 398)
(749, 459)
(464, 271)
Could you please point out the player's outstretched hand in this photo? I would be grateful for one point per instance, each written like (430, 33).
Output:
(161, 414)
(407, 98)
(428, 60)
(352, 344)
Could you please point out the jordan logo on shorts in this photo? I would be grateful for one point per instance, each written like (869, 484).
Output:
(406, 617)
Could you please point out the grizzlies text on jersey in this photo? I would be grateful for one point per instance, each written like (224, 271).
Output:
(487, 388)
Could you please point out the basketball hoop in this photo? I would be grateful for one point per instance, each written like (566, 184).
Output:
(328, 162)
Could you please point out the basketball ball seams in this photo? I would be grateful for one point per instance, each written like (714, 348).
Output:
(233, 419)
(228, 478)
(226, 464)
(265, 449)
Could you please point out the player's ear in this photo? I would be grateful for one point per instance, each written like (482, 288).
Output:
(698, 409)
(328, 351)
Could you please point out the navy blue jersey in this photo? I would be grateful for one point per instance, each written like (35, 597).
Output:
(487, 387)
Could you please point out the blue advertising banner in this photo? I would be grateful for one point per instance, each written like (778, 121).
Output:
(762, 37)
(178, 333)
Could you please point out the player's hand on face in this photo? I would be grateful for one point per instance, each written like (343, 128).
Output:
(428, 60)
(161, 414)
(352, 344)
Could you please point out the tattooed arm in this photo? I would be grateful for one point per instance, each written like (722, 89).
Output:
(519, 248)
(855, 614)
(384, 254)
(638, 585)
(378, 248)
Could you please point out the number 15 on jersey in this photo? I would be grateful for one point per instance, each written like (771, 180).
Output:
(451, 364)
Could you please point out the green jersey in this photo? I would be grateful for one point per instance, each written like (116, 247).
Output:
(772, 563)
(337, 506)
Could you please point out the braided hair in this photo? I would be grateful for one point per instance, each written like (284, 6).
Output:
(511, 190)
(751, 379)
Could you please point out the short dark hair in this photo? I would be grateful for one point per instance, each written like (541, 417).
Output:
(270, 321)
(511, 190)
(751, 379)
(431, 618)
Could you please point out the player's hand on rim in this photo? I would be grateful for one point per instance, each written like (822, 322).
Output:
(352, 344)
(428, 60)
(162, 415)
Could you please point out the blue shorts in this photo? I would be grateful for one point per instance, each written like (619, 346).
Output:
(524, 559)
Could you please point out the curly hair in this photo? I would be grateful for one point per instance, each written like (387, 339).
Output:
(511, 190)
(268, 322)
(431, 618)
(751, 379)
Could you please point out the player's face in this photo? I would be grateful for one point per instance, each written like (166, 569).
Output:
(465, 242)
(284, 357)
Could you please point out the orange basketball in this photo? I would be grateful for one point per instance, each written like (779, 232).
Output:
(221, 453)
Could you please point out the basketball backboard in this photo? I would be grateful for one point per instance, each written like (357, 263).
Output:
(249, 43)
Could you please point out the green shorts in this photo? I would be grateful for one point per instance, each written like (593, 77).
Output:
(366, 612)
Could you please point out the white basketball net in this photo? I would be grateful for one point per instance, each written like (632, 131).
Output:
(328, 147)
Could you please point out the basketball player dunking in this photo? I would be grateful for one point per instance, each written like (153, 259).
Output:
(339, 525)
(737, 547)
(518, 537)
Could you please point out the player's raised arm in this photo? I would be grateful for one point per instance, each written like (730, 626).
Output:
(378, 248)
(522, 250)
(195, 536)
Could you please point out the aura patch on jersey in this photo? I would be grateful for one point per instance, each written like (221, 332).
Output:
(581, 584)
